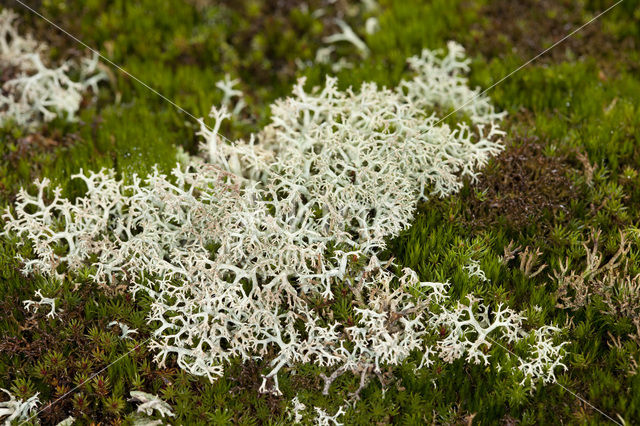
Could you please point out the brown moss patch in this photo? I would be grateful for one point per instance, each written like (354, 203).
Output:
(35, 144)
(520, 186)
(527, 27)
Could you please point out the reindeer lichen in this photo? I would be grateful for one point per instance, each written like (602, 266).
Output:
(232, 247)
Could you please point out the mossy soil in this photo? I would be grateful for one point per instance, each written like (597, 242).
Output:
(570, 168)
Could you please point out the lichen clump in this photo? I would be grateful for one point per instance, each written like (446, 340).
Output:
(234, 247)
(32, 91)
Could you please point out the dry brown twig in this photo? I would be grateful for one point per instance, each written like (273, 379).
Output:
(509, 252)
(528, 261)
(610, 282)
(588, 167)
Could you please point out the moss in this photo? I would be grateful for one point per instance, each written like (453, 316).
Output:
(521, 186)
(526, 28)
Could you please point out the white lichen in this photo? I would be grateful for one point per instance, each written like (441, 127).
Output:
(17, 409)
(546, 356)
(372, 25)
(229, 93)
(36, 304)
(297, 408)
(233, 248)
(35, 91)
(346, 34)
(151, 403)
(324, 419)
(125, 330)
(67, 422)
(474, 270)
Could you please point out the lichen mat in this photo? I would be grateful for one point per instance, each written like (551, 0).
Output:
(239, 248)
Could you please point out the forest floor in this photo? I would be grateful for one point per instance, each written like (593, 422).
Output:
(567, 186)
